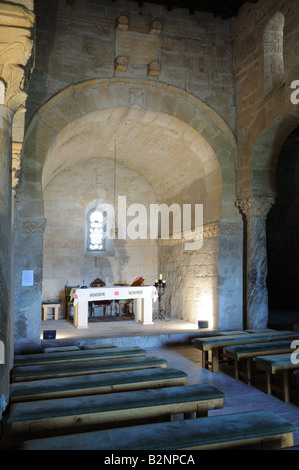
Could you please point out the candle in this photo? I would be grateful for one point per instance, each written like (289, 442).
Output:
(160, 277)
(156, 280)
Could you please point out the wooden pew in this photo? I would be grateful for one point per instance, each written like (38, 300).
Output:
(81, 355)
(210, 347)
(257, 429)
(67, 369)
(232, 332)
(245, 353)
(60, 349)
(277, 364)
(41, 417)
(96, 383)
(97, 346)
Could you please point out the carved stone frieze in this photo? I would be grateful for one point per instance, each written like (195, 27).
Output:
(227, 229)
(209, 230)
(136, 97)
(33, 227)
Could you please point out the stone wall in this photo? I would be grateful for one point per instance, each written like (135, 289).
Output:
(265, 56)
(67, 198)
(16, 28)
(6, 310)
(195, 83)
(265, 51)
(86, 40)
(192, 278)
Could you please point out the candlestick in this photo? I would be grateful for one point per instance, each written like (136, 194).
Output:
(160, 286)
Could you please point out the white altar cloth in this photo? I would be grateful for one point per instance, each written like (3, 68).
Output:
(143, 297)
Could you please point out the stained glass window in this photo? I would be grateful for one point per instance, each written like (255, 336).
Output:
(96, 225)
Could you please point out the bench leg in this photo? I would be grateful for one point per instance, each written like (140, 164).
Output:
(202, 410)
(215, 360)
(236, 368)
(203, 359)
(286, 388)
(268, 382)
(249, 371)
(189, 415)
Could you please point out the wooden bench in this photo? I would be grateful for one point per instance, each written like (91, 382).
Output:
(96, 383)
(60, 349)
(210, 347)
(80, 355)
(257, 429)
(277, 364)
(232, 332)
(245, 352)
(244, 332)
(36, 372)
(97, 346)
(43, 417)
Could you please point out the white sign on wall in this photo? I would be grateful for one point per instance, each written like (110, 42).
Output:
(27, 278)
(2, 353)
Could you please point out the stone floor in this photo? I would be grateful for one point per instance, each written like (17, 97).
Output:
(239, 396)
(122, 332)
(171, 340)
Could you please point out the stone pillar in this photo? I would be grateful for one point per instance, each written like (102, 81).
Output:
(16, 24)
(6, 322)
(255, 210)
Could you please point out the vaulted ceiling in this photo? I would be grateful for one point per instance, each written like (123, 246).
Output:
(224, 8)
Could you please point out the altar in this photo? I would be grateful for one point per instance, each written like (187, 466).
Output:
(143, 297)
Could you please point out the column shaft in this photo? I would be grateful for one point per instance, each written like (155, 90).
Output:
(256, 209)
(5, 252)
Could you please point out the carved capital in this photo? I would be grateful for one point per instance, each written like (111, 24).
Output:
(16, 48)
(255, 206)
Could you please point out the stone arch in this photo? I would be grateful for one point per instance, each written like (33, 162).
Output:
(136, 97)
(265, 154)
(183, 120)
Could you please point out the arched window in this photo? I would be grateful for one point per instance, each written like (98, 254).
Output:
(273, 53)
(96, 227)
